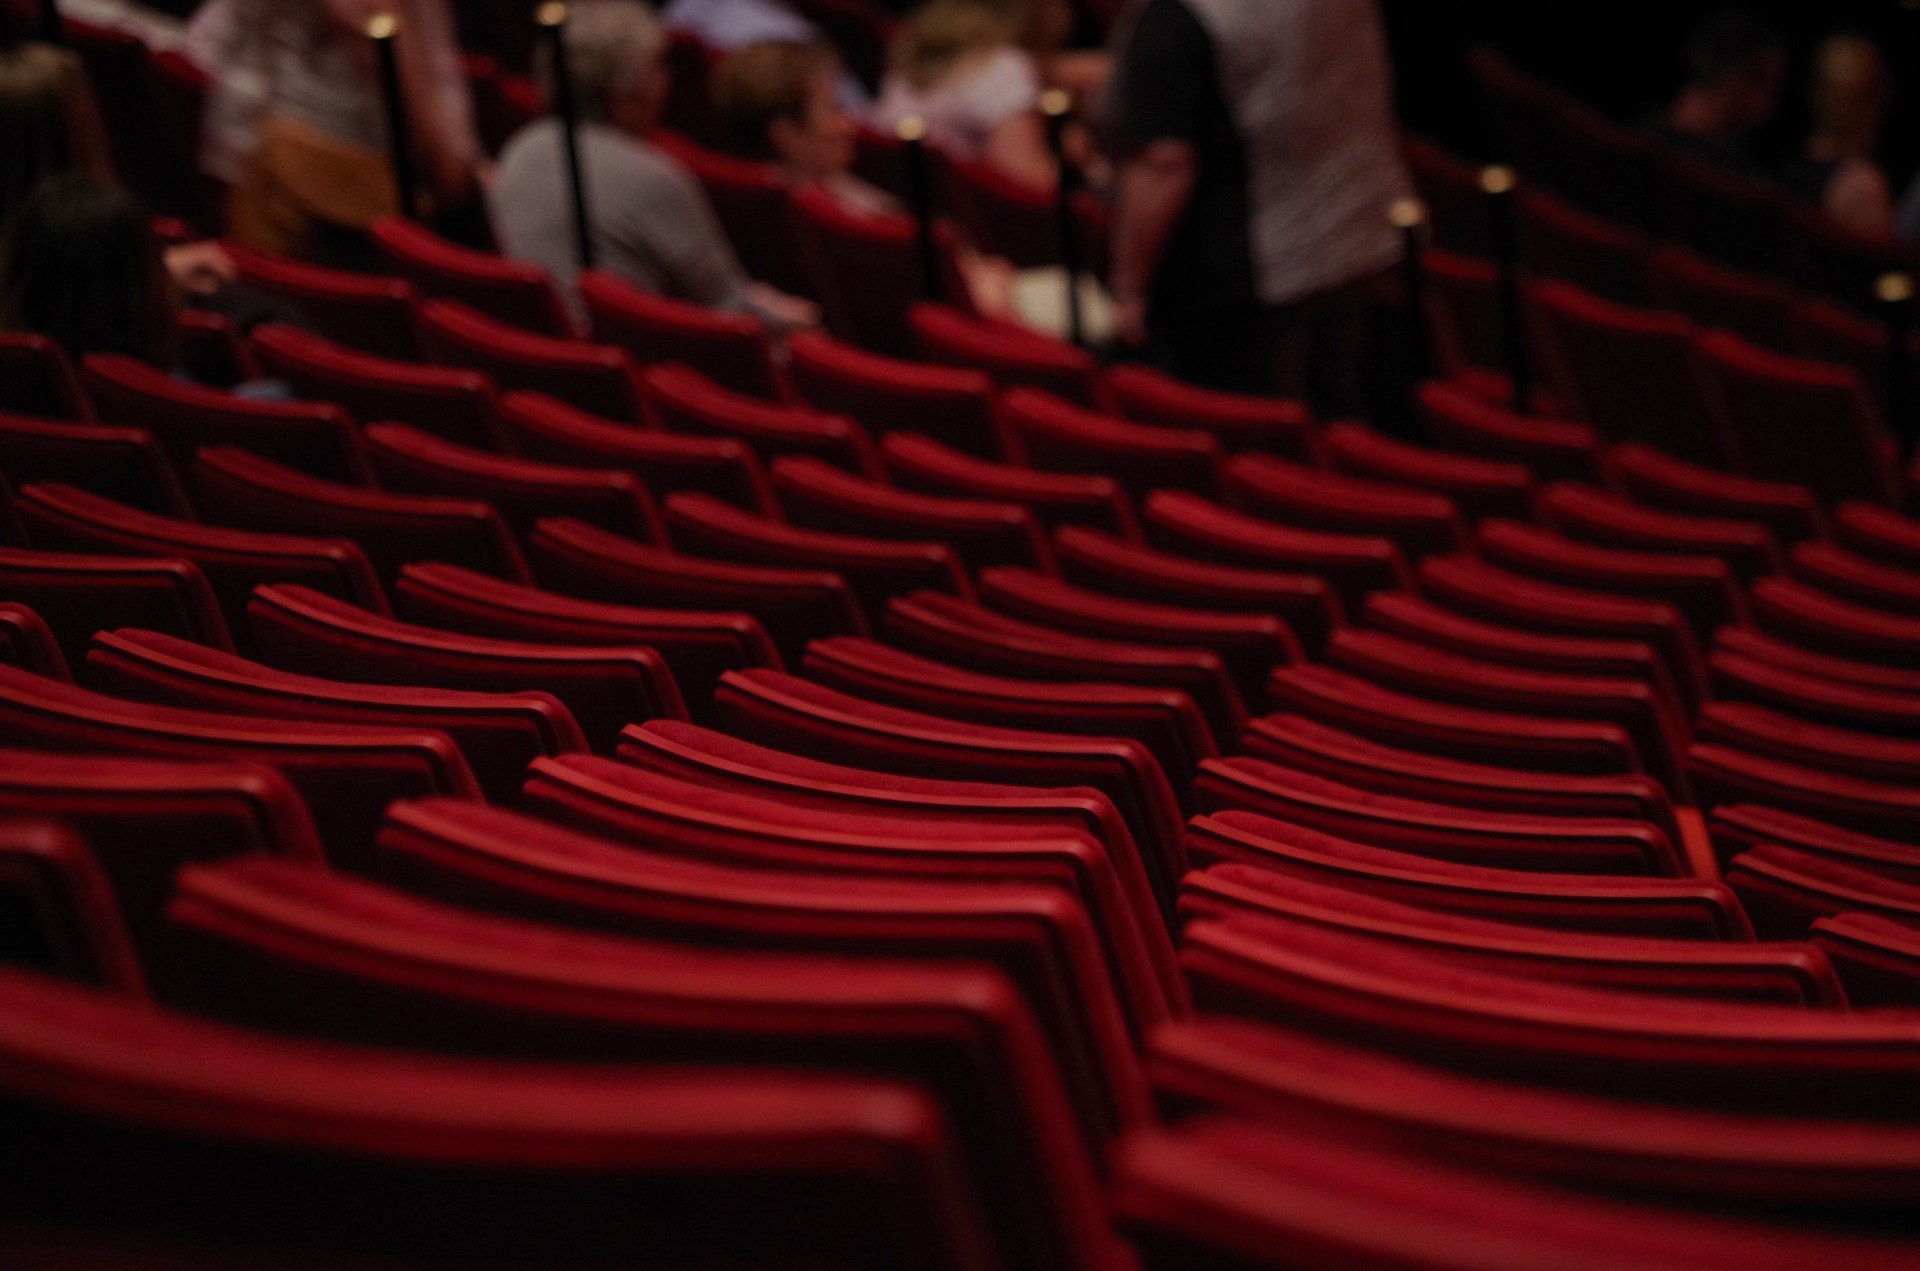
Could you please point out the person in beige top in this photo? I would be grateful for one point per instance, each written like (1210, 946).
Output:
(297, 123)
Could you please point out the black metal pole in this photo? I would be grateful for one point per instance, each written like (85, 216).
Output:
(1409, 216)
(382, 30)
(1895, 292)
(1498, 181)
(553, 20)
(913, 160)
(1057, 107)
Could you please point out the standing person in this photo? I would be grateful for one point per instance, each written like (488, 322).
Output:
(1838, 170)
(298, 124)
(651, 223)
(1735, 73)
(1258, 157)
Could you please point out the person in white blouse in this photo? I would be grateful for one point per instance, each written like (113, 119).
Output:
(972, 72)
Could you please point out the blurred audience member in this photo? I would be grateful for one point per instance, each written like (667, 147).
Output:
(1258, 157)
(1736, 69)
(972, 71)
(80, 264)
(1839, 169)
(298, 125)
(778, 105)
(50, 126)
(651, 222)
(727, 25)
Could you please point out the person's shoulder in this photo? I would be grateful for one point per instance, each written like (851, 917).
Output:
(1002, 79)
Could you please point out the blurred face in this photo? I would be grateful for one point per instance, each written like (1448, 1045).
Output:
(639, 108)
(1759, 90)
(819, 144)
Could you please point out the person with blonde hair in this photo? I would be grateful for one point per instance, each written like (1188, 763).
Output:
(1838, 170)
(972, 72)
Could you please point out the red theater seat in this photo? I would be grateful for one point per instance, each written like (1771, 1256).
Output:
(1738, 827)
(1722, 774)
(1421, 522)
(795, 605)
(592, 377)
(1845, 751)
(950, 404)
(1505, 840)
(1660, 480)
(1013, 356)
(1501, 738)
(1790, 609)
(920, 463)
(1701, 587)
(1247, 848)
(1877, 958)
(246, 1142)
(1750, 643)
(122, 464)
(1057, 435)
(292, 944)
(1127, 915)
(507, 291)
(77, 594)
(37, 380)
(605, 687)
(1352, 564)
(1607, 519)
(1165, 721)
(1250, 645)
(1305, 745)
(554, 432)
(462, 853)
(1103, 562)
(1736, 1057)
(1628, 372)
(1784, 972)
(1714, 295)
(1766, 1167)
(682, 400)
(819, 496)
(1786, 891)
(729, 348)
(522, 491)
(1239, 421)
(459, 405)
(787, 713)
(26, 641)
(367, 312)
(958, 631)
(1478, 487)
(1873, 709)
(1792, 420)
(317, 439)
(499, 733)
(877, 569)
(241, 489)
(347, 773)
(698, 646)
(1860, 579)
(1880, 533)
(866, 271)
(61, 916)
(233, 562)
(1462, 421)
(1220, 1194)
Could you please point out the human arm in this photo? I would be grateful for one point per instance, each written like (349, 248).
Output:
(1151, 195)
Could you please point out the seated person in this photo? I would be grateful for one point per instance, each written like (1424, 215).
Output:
(777, 105)
(727, 25)
(81, 265)
(972, 71)
(50, 126)
(1736, 71)
(651, 223)
(1838, 169)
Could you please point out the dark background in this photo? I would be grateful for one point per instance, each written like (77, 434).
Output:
(1624, 56)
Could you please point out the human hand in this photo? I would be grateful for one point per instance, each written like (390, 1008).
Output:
(780, 309)
(200, 269)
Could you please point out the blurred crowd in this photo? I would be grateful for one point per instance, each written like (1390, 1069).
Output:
(1246, 150)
